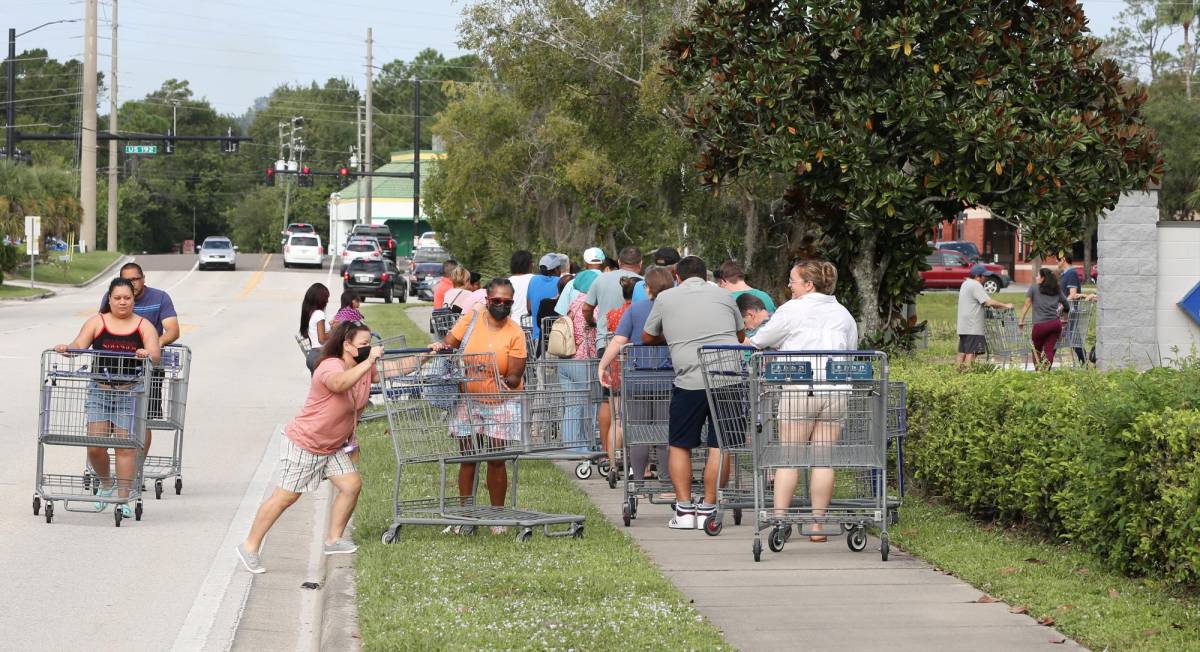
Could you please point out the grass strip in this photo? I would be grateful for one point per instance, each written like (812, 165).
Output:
(1100, 609)
(82, 267)
(19, 291)
(436, 591)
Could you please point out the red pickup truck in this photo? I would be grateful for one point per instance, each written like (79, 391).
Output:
(948, 269)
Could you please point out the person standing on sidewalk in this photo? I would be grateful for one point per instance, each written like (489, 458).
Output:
(318, 443)
(1047, 301)
(593, 261)
(445, 283)
(972, 299)
(685, 318)
(732, 277)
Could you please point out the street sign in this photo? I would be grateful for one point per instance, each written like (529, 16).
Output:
(33, 234)
(141, 149)
(1190, 304)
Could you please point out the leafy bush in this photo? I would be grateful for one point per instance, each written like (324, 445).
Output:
(8, 259)
(1109, 461)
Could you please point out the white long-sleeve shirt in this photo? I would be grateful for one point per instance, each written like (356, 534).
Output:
(814, 322)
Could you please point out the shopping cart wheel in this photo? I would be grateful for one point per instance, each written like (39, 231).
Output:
(757, 550)
(525, 535)
(893, 517)
(857, 539)
(626, 514)
(633, 502)
(391, 535)
(779, 537)
(158, 489)
(612, 478)
(137, 511)
(604, 467)
(737, 515)
(713, 525)
(583, 470)
(117, 515)
(49, 511)
(467, 530)
(883, 545)
(577, 531)
(178, 486)
(37, 505)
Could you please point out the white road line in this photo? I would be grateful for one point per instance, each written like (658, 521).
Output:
(185, 277)
(219, 310)
(201, 619)
(329, 277)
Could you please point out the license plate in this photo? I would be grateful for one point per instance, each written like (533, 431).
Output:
(363, 278)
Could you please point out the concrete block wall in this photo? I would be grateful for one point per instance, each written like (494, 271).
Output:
(1128, 251)
(1178, 272)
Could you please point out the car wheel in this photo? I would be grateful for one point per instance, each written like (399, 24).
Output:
(404, 296)
(286, 265)
(200, 267)
(387, 295)
(233, 268)
(991, 285)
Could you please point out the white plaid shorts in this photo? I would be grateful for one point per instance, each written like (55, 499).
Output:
(302, 471)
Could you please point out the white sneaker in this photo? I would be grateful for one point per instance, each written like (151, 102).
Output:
(683, 520)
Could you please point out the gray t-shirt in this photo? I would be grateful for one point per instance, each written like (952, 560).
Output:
(689, 316)
(971, 297)
(1045, 306)
(605, 294)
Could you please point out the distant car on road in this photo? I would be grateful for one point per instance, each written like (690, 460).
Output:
(948, 269)
(428, 240)
(967, 249)
(381, 234)
(375, 278)
(361, 249)
(217, 251)
(295, 227)
(303, 249)
(420, 275)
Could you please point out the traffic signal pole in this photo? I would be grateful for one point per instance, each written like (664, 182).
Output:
(87, 135)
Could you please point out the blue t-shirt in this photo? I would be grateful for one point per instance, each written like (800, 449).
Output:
(1070, 279)
(633, 322)
(540, 287)
(154, 306)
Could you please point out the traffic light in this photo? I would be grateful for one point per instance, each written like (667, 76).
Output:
(270, 176)
(305, 177)
(343, 176)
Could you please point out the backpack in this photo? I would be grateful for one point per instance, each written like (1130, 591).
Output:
(561, 343)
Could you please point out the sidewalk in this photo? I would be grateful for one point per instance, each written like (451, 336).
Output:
(822, 596)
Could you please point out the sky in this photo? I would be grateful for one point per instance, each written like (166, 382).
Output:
(233, 52)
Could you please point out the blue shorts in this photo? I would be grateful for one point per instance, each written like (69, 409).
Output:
(115, 404)
(689, 414)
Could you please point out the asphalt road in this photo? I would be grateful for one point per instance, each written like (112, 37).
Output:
(80, 583)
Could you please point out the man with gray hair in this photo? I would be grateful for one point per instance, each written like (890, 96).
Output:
(972, 299)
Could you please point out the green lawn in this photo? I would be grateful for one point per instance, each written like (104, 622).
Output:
(81, 268)
(435, 591)
(1098, 608)
(18, 292)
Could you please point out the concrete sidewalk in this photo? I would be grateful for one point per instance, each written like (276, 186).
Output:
(822, 596)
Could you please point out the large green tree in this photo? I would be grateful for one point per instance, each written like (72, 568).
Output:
(884, 118)
(48, 93)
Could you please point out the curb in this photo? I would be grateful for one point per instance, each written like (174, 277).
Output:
(121, 260)
(37, 297)
(339, 613)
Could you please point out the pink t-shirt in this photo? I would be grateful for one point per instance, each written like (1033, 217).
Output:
(327, 419)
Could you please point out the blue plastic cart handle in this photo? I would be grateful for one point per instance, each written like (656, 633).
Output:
(771, 353)
(728, 347)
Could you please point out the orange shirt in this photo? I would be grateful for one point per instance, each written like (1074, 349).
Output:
(439, 291)
(327, 419)
(506, 341)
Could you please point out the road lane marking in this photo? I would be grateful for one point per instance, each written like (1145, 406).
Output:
(219, 310)
(185, 276)
(255, 278)
(329, 278)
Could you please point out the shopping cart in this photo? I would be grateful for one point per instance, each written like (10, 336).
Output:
(375, 409)
(441, 321)
(166, 410)
(580, 432)
(1005, 342)
(1074, 339)
(433, 421)
(727, 384)
(897, 432)
(305, 347)
(821, 411)
(95, 400)
(643, 400)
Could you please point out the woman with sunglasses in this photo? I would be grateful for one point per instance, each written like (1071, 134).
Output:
(490, 331)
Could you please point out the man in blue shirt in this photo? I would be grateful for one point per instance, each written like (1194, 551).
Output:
(155, 306)
(1071, 286)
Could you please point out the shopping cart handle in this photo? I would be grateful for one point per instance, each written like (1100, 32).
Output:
(842, 353)
(110, 354)
(423, 349)
(728, 347)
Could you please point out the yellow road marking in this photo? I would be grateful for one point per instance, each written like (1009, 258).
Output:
(255, 279)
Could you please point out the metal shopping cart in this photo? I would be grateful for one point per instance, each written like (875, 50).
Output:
(95, 400)
(821, 412)
(727, 383)
(642, 401)
(897, 432)
(1076, 330)
(437, 418)
(580, 432)
(166, 410)
(1006, 344)
(441, 321)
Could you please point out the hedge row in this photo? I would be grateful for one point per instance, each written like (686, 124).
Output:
(1107, 461)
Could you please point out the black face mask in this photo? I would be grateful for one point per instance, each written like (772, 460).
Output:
(499, 312)
(364, 352)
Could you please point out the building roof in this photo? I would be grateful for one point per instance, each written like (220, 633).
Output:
(388, 187)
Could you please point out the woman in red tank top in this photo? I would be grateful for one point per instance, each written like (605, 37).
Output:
(110, 410)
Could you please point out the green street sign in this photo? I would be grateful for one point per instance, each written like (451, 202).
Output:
(141, 149)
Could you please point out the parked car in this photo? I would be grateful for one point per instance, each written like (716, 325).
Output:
(948, 269)
(967, 249)
(375, 278)
(428, 240)
(421, 273)
(295, 227)
(217, 251)
(361, 249)
(303, 249)
(379, 233)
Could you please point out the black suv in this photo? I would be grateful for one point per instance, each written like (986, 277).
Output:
(375, 278)
(382, 234)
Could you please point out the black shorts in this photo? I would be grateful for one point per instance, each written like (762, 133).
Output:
(972, 344)
(689, 414)
(154, 399)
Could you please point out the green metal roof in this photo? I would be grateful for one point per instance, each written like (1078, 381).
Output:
(393, 188)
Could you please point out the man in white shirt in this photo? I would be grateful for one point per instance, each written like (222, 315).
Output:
(520, 267)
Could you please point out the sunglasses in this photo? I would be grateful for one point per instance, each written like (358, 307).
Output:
(501, 302)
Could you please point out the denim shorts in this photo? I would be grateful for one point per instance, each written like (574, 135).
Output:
(112, 403)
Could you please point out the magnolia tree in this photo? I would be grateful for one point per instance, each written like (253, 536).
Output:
(881, 119)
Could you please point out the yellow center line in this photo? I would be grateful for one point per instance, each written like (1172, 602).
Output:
(255, 278)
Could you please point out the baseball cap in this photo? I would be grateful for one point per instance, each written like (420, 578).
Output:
(665, 256)
(594, 255)
(977, 270)
(552, 260)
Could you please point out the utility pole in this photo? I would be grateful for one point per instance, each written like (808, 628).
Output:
(87, 157)
(368, 152)
(293, 163)
(416, 157)
(10, 143)
(356, 161)
(113, 179)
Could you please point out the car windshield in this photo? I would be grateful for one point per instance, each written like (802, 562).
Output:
(364, 266)
(302, 241)
(361, 246)
(301, 228)
(429, 268)
(216, 244)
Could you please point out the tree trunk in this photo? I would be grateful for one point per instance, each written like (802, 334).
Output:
(864, 272)
(750, 211)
